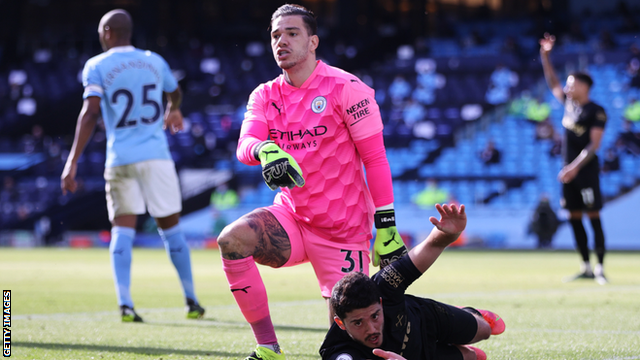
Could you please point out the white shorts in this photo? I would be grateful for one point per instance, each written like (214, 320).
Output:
(153, 182)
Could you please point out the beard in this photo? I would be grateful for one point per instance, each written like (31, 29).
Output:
(294, 60)
(367, 341)
(286, 65)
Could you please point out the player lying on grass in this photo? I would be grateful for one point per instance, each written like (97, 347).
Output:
(376, 313)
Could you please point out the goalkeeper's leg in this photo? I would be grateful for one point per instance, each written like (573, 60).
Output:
(257, 237)
(332, 260)
(249, 292)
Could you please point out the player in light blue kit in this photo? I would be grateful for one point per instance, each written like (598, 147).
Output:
(126, 85)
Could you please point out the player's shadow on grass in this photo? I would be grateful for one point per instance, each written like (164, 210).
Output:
(300, 328)
(277, 327)
(217, 324)
(124, 349)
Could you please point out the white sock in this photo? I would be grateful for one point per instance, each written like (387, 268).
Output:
(585, 267)
(599, 270)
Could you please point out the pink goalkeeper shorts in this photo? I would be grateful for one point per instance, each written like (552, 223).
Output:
(330, 260)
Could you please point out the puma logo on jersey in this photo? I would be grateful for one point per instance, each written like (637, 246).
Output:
(277, 108)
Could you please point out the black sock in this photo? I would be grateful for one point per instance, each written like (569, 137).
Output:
(472, 310)
(581, 238)
(599, 237)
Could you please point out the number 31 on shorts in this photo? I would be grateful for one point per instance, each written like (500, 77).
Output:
(351, 261)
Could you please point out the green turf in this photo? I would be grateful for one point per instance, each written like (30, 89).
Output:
(64, 306)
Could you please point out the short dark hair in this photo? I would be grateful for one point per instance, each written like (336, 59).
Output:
(582, 77)
(308, 16)
(120, 23)
(354, 291)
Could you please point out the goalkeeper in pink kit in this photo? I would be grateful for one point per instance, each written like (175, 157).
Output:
(311, 129)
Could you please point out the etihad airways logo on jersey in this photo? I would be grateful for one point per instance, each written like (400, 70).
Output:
(297, 135)
(304, 138)
(359, 111)
(298, 146)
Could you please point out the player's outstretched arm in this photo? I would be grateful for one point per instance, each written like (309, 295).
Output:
(87, 121)
(448, 228)
(388, 355)
(546, 45)
(173, 115)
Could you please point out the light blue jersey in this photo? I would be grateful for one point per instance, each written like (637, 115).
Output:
(130, 83)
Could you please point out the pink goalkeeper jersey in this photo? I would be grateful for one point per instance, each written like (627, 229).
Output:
(317, 124)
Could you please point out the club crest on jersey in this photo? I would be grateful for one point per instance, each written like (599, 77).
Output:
(318, 104)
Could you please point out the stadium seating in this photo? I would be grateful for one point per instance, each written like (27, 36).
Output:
(448, 150)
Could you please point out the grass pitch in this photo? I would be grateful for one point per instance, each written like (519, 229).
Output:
(64, 306)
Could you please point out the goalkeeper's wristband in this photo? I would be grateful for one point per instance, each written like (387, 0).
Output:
(256, 149)
(385, 219)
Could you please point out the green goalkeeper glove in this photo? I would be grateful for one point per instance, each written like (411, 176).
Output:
(279, 169)
(388, 246)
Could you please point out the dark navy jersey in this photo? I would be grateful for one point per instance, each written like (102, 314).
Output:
(402, 320)
(578, 122)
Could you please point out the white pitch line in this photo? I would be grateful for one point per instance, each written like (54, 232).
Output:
(599, 289)
(562, 331)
